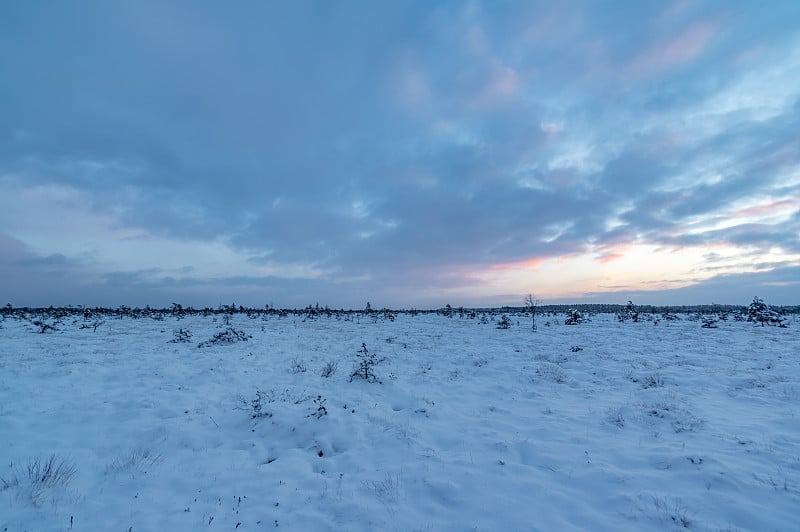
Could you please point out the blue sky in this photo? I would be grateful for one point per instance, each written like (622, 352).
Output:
(408, 153)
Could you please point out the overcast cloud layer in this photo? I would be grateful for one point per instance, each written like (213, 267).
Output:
(405, 153)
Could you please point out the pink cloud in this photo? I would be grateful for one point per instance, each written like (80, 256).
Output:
(532, 263)
(784, 156)
(527, 264)
(504, 81)
(501, 84)
(615, 247)
(610, 254)
(788, 204)
(676, 51)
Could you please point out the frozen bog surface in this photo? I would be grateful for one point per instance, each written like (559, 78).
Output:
(257, 422)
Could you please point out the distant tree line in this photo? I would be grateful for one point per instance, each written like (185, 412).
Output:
(757, 308)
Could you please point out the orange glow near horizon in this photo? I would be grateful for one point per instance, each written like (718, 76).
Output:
(633, 267)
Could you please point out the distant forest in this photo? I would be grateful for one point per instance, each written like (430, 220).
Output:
(447, 310)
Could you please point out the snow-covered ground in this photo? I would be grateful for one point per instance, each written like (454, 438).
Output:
(598, 426)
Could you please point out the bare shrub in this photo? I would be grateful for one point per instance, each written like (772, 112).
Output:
(138, 460)
(329, 369)
(320, 411)
(653, 381)
(44, 326)
(709, 322)
(49, 473)
(531, 303)
(551, 372)
(616, 417)
(226, 336)
(39, 475)
(297, 366)
(93, 325)
(256, 405)
(181, 336)
(679, 419)
(675, 511)
(387, 490)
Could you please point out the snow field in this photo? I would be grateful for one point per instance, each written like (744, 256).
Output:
(602, 426)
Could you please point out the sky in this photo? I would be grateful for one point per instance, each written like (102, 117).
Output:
(409, 154)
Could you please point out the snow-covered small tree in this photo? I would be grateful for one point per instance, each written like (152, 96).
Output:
(628, 313)
(504, 323)
(759, 312)
(366, 361)
(574, 317)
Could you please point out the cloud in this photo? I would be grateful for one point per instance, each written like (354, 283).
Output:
(33, 279)
(675, 50)
(400, 150)
(776, 286)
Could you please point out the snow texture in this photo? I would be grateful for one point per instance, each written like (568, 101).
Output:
(598, 426)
